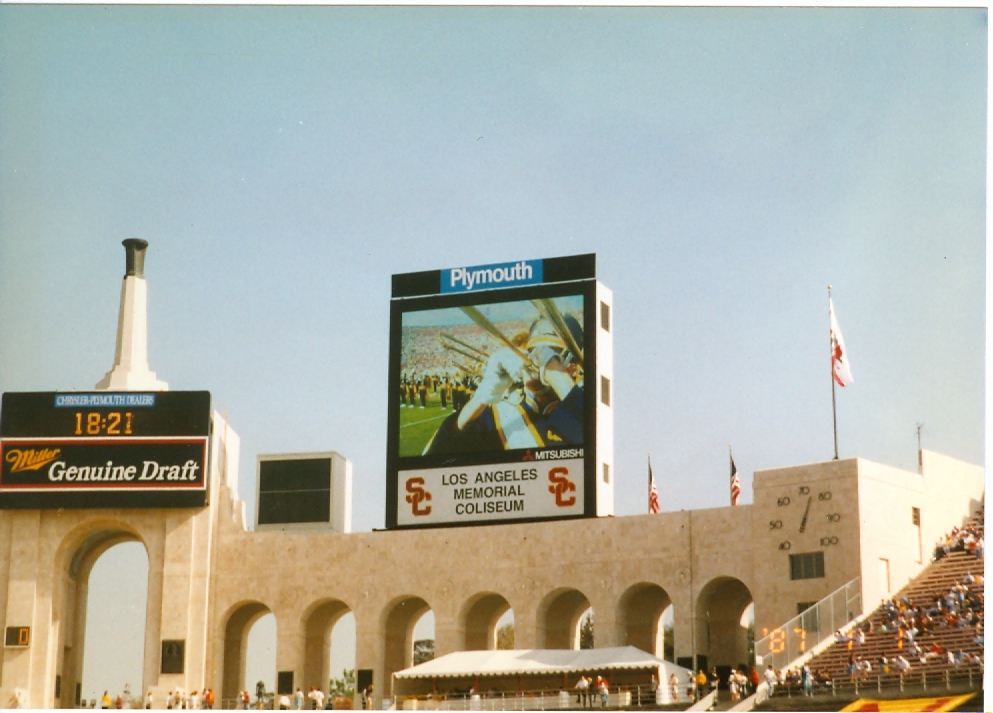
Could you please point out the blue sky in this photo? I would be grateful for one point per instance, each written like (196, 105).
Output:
(726, 165)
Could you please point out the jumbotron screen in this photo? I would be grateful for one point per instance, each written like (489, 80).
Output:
(489, 415)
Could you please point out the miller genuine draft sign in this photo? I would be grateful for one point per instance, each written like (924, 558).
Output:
(104, 449)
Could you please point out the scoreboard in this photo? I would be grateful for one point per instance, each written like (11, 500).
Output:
(104, 449)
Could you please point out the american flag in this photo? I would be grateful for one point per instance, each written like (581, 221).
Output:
(653, 493)
(735, 483)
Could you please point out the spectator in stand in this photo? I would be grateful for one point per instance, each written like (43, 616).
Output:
(770, 680)
(808, 682)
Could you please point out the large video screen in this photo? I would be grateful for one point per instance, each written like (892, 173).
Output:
(490, 419)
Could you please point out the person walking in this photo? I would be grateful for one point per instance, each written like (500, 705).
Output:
(770, 680)
(582, 689)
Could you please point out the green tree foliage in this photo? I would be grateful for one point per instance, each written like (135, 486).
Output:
(586, 631)
(423, 650)
(505, 636)
(344, 686)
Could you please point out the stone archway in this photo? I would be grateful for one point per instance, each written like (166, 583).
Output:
(559, 615)
(720, 635)
(479, 619)
(400, 618)
(639, 612)
(75, 557)
(318, 622)
(238, 623)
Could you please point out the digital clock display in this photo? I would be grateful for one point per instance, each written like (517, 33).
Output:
(163, 413)
(98, 424)
(104, 449)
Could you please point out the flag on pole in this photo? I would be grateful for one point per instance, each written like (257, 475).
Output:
(735, 483)
(839, 355)
(653, 493)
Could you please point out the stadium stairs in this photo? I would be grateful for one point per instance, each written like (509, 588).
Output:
(935, 677)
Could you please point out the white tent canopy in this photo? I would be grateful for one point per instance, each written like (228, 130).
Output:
(525, 662)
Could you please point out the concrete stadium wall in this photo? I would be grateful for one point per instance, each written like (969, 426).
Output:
(210, 578)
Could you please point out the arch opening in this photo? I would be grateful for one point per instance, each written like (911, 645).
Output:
(643, 611)
(114, 646)
(102, 575)
(560, 616)
(342, 653)
(406, 631)
(721, 635)
(249, 650)
(481, 620)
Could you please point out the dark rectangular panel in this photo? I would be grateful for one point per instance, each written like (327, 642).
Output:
(18, 636)
(173, 656)
(415, 284)
(363, 679)
(295, 474)
(284, 682)
(277, 508)
(104, 414)
(571, 267)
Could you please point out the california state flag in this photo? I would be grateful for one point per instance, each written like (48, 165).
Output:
(840, 365)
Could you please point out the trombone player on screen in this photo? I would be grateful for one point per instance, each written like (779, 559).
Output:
(530, 394)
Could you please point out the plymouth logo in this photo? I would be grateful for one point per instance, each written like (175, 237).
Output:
(30, 458)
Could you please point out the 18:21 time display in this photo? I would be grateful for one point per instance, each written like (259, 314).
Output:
(97, 424)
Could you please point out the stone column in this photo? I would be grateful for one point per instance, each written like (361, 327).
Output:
(22, 667)
(369, 653)
(155, 547)
(449, 632)
(291, 641)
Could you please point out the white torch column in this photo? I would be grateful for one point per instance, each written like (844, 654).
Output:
(130, 371)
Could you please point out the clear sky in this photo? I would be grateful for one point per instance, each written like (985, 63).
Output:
(725, 166)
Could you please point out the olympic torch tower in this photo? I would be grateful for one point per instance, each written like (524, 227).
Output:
(130, 371)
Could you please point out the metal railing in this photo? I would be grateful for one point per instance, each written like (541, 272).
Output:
(535, 699)
(803, 632)
(953, 677)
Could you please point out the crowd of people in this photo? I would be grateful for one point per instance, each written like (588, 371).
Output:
(801, 678)
(741, 683)
(969, 538)
(588, 690)
(178, 700)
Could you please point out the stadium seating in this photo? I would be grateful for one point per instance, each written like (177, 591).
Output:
(936, 579)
